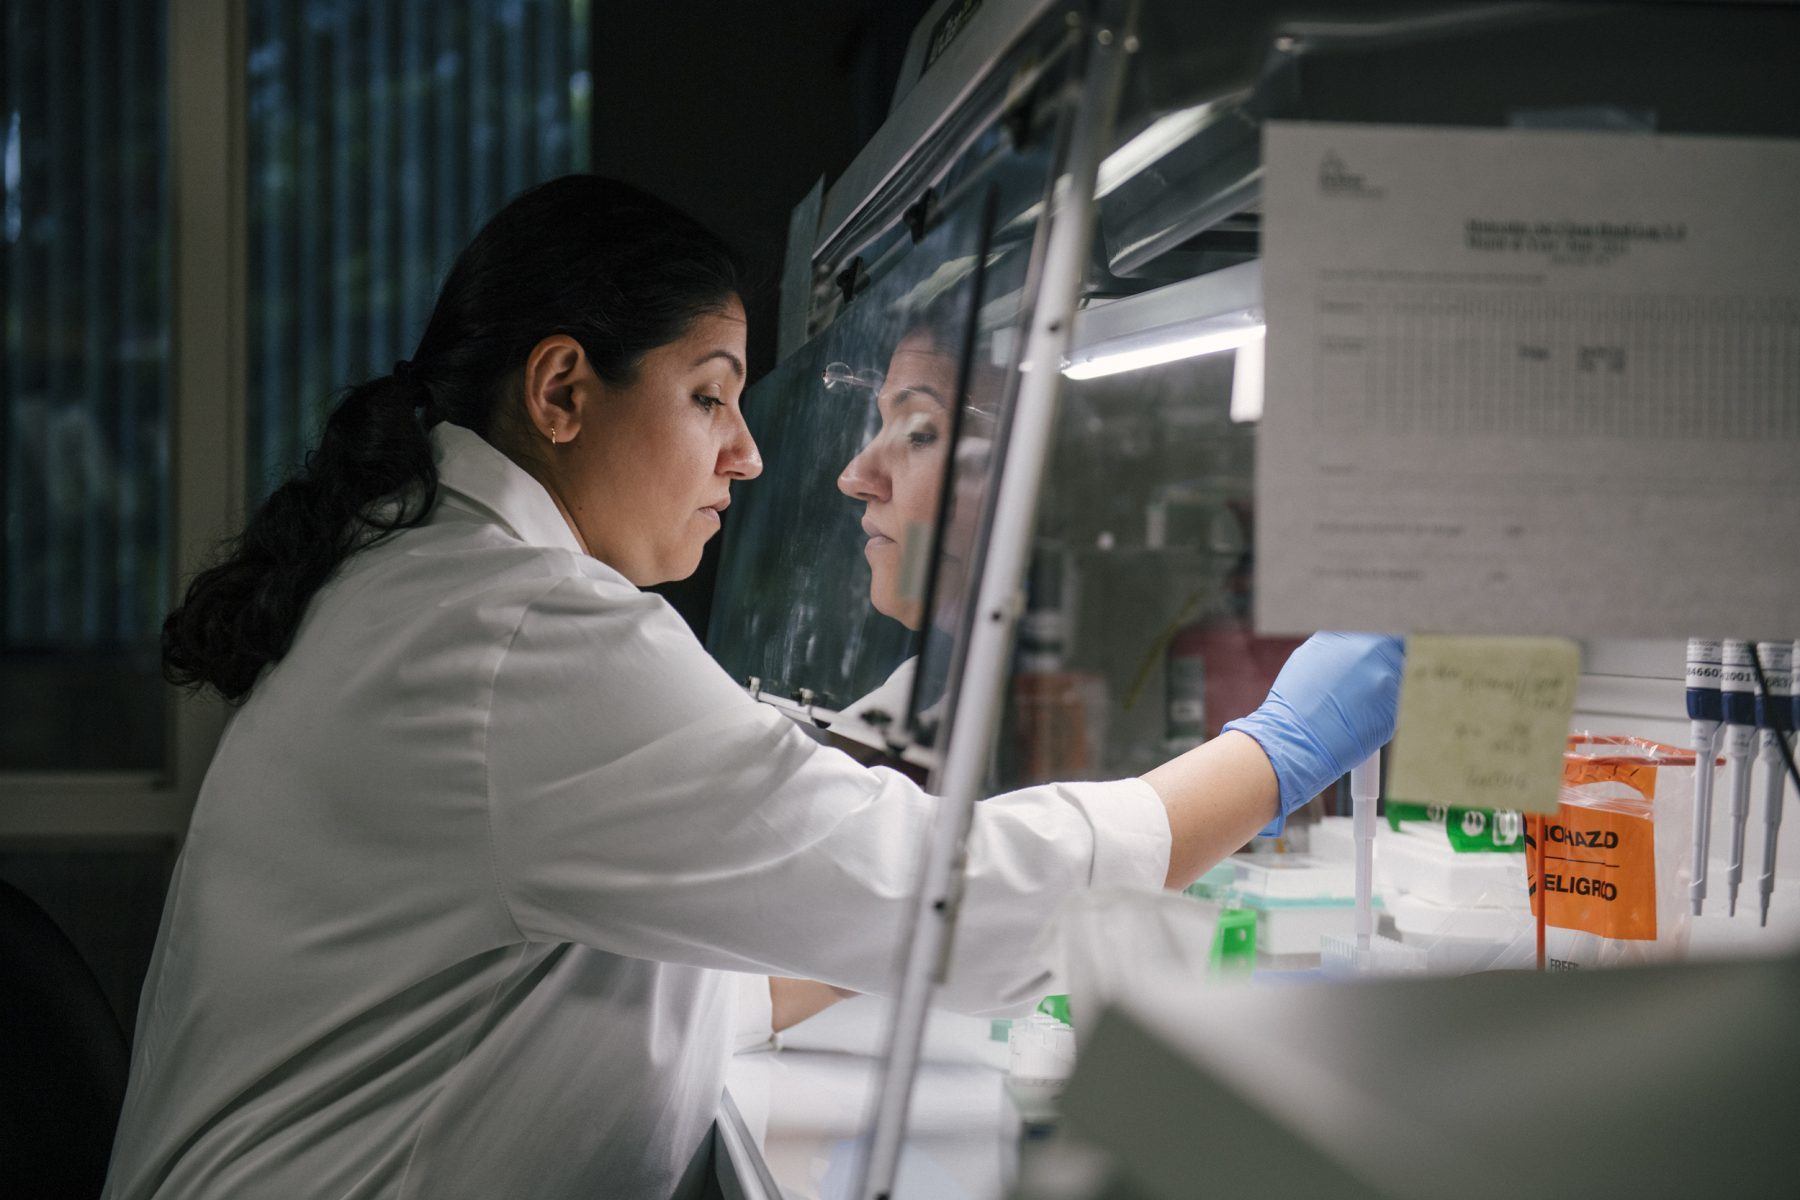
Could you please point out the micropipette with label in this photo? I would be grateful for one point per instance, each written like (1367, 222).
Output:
(1737, 687)
(1775, 717)
(1704, 708)
(1365, 790)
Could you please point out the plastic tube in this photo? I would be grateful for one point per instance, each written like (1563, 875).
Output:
(1775, 720)
(1704, 706)
(1737, 686)
(1365, 790)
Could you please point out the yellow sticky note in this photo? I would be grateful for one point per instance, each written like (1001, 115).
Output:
(1484, 721)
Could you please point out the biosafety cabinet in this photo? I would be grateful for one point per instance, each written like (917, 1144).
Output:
(1008, 530)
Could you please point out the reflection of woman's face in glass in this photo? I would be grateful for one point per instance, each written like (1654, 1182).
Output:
(899, 475)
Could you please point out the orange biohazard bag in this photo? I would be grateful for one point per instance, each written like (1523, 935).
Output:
(1614, 859)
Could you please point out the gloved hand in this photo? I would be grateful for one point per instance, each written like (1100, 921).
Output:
(1333, 705)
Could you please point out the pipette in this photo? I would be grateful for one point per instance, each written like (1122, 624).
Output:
(1365, 790)
(1775, 713)
(1737, 687)
(1704, 708)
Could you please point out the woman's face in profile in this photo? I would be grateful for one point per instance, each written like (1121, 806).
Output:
(899, 477)
(646, 483)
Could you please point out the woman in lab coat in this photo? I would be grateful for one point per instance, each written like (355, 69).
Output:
(487, 828)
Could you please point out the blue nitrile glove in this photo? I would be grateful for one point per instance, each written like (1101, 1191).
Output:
(1332, 706)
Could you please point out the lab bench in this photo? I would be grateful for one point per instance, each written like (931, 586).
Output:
(791, 1117)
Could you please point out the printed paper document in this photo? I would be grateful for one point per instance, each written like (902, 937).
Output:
(1528, 382)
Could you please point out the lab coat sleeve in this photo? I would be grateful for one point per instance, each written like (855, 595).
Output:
(642, 804)
(755, 1014)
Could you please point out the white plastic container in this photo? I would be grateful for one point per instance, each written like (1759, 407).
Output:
(1456, 941)
(1420, 862)
(1040, 1049)
(1299, 899)
(1040, 1058)
(1293, 877)
(1294, 932)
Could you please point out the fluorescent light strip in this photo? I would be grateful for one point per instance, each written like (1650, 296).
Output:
(1247, 383)
(1092, 366)
(1147, 148)
(1164, 134)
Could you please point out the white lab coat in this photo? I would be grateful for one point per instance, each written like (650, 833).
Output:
(467, 871)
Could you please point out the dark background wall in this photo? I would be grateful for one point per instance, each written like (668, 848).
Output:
(731, 111)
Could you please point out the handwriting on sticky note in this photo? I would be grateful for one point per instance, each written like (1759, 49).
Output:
(1484, 721)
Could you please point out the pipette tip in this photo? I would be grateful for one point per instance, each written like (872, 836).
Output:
(1731, 905)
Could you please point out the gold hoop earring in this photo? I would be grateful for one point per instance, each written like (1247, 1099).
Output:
(553, 435)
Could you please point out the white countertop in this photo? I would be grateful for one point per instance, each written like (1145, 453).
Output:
(805, 1105)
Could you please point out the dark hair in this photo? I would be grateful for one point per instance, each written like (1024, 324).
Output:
(609, 265)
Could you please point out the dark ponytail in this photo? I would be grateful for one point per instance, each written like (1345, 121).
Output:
(600, 261)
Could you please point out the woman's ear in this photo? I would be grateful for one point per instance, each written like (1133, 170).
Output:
(559, 385)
